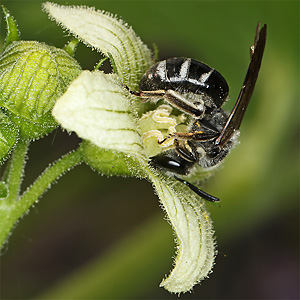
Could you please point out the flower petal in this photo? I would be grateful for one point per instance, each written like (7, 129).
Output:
(96, 108)
(107, 34)
(193, 228)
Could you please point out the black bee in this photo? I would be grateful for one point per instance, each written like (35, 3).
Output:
(200, 91)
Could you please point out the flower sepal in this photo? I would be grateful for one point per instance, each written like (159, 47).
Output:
(111, 163)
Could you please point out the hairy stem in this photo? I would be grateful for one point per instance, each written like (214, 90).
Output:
(16, 170)
(10, 211)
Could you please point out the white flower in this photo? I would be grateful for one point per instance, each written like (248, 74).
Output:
(100, 110)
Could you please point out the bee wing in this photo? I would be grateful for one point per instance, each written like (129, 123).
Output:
(236, 116)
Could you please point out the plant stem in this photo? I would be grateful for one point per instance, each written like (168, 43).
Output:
(16, 170)
(10, 212)
(50, 175)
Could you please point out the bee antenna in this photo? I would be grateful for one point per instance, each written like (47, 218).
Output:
(199, 192)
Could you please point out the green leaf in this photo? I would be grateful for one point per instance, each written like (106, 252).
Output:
(13, 33)
(70, 48)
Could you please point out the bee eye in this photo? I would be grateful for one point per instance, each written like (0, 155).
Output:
(172, 163)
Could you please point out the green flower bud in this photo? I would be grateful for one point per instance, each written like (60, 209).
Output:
(32, 76)
(8, 136)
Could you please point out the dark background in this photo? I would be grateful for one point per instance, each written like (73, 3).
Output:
(92, 237)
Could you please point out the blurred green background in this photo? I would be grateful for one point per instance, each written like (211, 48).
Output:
(92, 237)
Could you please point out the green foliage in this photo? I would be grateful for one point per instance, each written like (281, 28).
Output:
(13, 33)
(32, 77)
(71, 46)
(258, 184)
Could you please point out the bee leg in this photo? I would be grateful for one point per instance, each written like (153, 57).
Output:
(132, 92)
(179, 101)
(186, 150)
(197, 135)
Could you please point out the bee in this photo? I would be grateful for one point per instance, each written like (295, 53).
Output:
(199, 91)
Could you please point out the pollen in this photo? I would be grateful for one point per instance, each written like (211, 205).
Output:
(158, 128)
